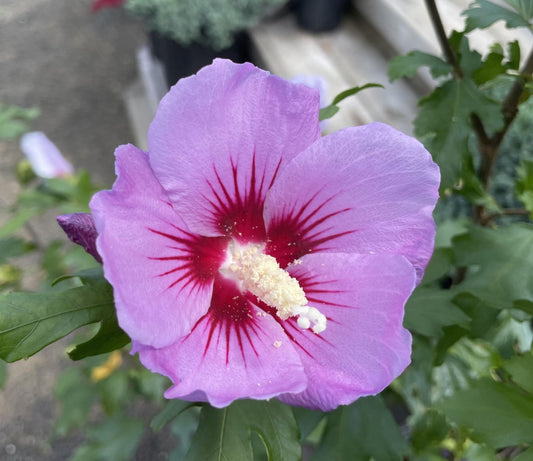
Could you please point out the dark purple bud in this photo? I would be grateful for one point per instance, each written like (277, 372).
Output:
(80, 228)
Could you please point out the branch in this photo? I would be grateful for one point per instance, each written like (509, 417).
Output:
(505, 212)
(443, 39)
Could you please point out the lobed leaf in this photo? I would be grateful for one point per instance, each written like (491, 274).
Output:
(443, 124)
(406, 66)
(483, 13)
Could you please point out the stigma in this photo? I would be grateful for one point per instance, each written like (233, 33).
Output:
(261, 275)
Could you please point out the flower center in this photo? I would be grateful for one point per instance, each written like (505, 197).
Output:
(261, 275)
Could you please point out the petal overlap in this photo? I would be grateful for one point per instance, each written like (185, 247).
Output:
(364, 346)
(220, 138)
(226, 357)
(162, 286)
(368, 189)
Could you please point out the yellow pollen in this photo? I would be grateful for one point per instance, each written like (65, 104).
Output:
(261, 275)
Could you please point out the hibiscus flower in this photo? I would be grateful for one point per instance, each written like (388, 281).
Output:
(251, 257)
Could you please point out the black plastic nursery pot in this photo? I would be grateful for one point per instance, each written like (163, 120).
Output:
(183, 60)
(319, 15)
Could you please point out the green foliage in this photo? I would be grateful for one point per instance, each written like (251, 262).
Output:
(108, 338)
(172, 410)
(333, 108)
(11, 247)
(115, 439)
(201, 21)
(3, 374)
(501, 261)
(495, 413)
(77, 398)
(483, 14)
(226, 433)
(428, 310)
(30, 321)
(444, 124)
(406, 66)
(14, 120)
(362, 431)
(524, 185)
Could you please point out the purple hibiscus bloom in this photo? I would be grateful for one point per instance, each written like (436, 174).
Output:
(252, 258)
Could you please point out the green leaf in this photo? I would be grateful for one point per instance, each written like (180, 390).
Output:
(469, 60)
(443, 124)
(31, 321)
(406, 66)
(494, 64)
(172, 410)
(483, 314)
(18, 220)
(307, 420)
(524, 184)
(13, 120)
(352, 91)
(523, 7)
(225, 434)
(108, 338)
(93, 276)
(428, 310)
(520, 368)
(327, 112)
(3, 373)
(501, 263)
(359, 432)
(150, 385)
(494, 413)
(472, 189)
(440, 265)
(114, 392)
(9, 276)
(115, 439)
(77, 397)
(447, 230)
(523, 305)
(429, 429)
(483, 14)
(525, 456)
(11, 247)
(333, 108)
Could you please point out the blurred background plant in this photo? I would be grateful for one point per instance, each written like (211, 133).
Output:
(209, 22)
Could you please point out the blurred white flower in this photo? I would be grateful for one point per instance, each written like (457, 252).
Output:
(44, 156)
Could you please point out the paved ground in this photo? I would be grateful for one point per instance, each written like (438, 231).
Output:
(56, 55)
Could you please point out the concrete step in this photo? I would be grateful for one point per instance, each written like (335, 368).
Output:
(355, 54)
